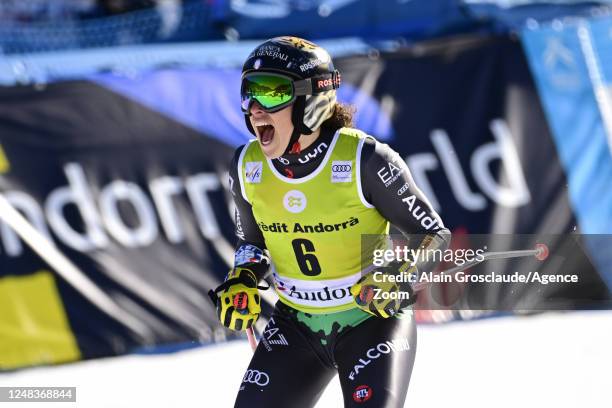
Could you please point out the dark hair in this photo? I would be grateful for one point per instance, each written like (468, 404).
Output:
(342, 117)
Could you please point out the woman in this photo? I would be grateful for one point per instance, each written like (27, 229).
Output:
(313, 198)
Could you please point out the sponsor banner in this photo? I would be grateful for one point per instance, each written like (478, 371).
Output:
(478, 163)
(515, 14)
(570, 63)
(134, 200)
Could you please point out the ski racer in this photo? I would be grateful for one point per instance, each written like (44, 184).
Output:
(313, 197)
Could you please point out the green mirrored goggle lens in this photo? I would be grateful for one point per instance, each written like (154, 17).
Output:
(270, 91)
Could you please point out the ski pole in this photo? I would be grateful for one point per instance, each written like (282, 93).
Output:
(241, 304)
(252, 339)
(540, 252)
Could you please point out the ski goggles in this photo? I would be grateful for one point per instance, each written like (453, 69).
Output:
(276, 91)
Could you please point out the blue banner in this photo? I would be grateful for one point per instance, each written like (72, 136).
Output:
(571, 65)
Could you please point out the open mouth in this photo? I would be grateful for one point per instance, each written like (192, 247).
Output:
(266, 134)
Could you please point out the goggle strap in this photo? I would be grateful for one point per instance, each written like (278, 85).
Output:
(317, 84)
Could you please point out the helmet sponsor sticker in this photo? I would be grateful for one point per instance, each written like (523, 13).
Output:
(310, 65)
(271, 51)
(342, 171)
(297, 42)
(325, 83)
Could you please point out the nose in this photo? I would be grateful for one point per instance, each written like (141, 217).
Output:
(256, 108)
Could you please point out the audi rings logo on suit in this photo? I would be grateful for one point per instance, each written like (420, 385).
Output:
(256, 377)
(341, 171)
(342, 168)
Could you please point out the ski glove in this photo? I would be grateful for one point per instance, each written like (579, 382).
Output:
(237, 299)
(380, 295)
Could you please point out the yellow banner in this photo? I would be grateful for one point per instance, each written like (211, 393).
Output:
(4, 163)
(34, 328)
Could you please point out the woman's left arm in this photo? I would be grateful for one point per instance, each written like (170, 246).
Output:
(388, 185)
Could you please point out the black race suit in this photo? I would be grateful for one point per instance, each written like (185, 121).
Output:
(299, 353)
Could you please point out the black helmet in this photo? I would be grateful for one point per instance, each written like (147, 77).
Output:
(314, 80)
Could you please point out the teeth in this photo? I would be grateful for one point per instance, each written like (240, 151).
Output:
(262, 124)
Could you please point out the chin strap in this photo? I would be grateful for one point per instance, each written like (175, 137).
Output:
(293, 146)
(296, 148)
(297, 118)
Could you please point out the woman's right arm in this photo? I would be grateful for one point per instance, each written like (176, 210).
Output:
(251, 244)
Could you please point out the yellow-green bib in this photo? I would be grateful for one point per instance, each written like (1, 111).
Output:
(313, 225)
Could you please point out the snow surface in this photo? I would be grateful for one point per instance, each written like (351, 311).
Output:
(553, 360)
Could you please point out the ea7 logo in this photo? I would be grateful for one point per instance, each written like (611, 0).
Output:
(389, 173)
(273, 336)
(252, 172)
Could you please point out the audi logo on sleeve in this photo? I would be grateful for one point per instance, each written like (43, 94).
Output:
(256, 377)
(341, 171)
